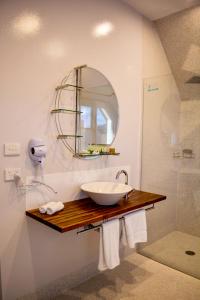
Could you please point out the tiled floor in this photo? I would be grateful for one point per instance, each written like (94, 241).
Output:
(137, 278)
(170, 250)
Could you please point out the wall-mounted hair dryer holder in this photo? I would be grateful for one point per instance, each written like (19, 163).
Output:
(37, 151)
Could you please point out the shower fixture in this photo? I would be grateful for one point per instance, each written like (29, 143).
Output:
(194, 79)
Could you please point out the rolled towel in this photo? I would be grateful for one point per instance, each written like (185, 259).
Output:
(51, 207)
(134, 228)
(43, 208)
(109, 245)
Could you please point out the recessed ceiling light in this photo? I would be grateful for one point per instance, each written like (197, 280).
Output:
(27, 24)
(103, 29)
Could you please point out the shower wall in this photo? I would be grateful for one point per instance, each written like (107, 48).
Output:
(188, 200)
(179, 34)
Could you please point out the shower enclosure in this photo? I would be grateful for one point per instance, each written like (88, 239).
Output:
(171, 166)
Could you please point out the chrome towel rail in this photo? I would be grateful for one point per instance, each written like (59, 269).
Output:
(96, 227)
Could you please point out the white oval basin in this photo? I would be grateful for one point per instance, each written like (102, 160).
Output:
(106, 193)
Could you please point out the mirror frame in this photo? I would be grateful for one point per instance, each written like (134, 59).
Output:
(58, 110)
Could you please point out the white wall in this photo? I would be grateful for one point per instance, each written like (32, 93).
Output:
(32, 255)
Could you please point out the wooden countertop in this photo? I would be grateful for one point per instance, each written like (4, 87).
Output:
(83, 212)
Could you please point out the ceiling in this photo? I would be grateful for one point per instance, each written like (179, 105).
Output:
(156, 9)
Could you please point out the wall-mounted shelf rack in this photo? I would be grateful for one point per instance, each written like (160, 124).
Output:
(61, 87)
(63, 110)
(99, 154)
(66, 86)
(83, 212)
(66, 136)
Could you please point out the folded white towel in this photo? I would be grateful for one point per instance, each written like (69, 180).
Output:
(109, 245)
(51, 207)
(134, 228)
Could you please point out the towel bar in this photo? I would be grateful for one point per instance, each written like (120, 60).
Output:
(96, 227)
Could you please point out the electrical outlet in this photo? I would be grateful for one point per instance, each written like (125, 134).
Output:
(11, 149)
(10, 172)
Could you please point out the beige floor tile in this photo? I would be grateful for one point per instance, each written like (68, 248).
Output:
(137, 278)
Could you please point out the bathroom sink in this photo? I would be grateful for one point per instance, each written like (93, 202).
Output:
(106, 193)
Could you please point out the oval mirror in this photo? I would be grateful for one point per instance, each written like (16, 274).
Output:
(94, 107)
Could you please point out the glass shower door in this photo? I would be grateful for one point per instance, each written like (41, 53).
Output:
(171, 166)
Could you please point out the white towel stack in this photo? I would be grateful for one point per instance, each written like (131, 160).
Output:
(51, 207)
(109, 245)
(134, 228)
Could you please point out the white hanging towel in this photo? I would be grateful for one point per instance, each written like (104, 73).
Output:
(134, 228)
(109, 245)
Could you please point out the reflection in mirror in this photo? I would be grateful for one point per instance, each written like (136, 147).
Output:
(99, 107)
